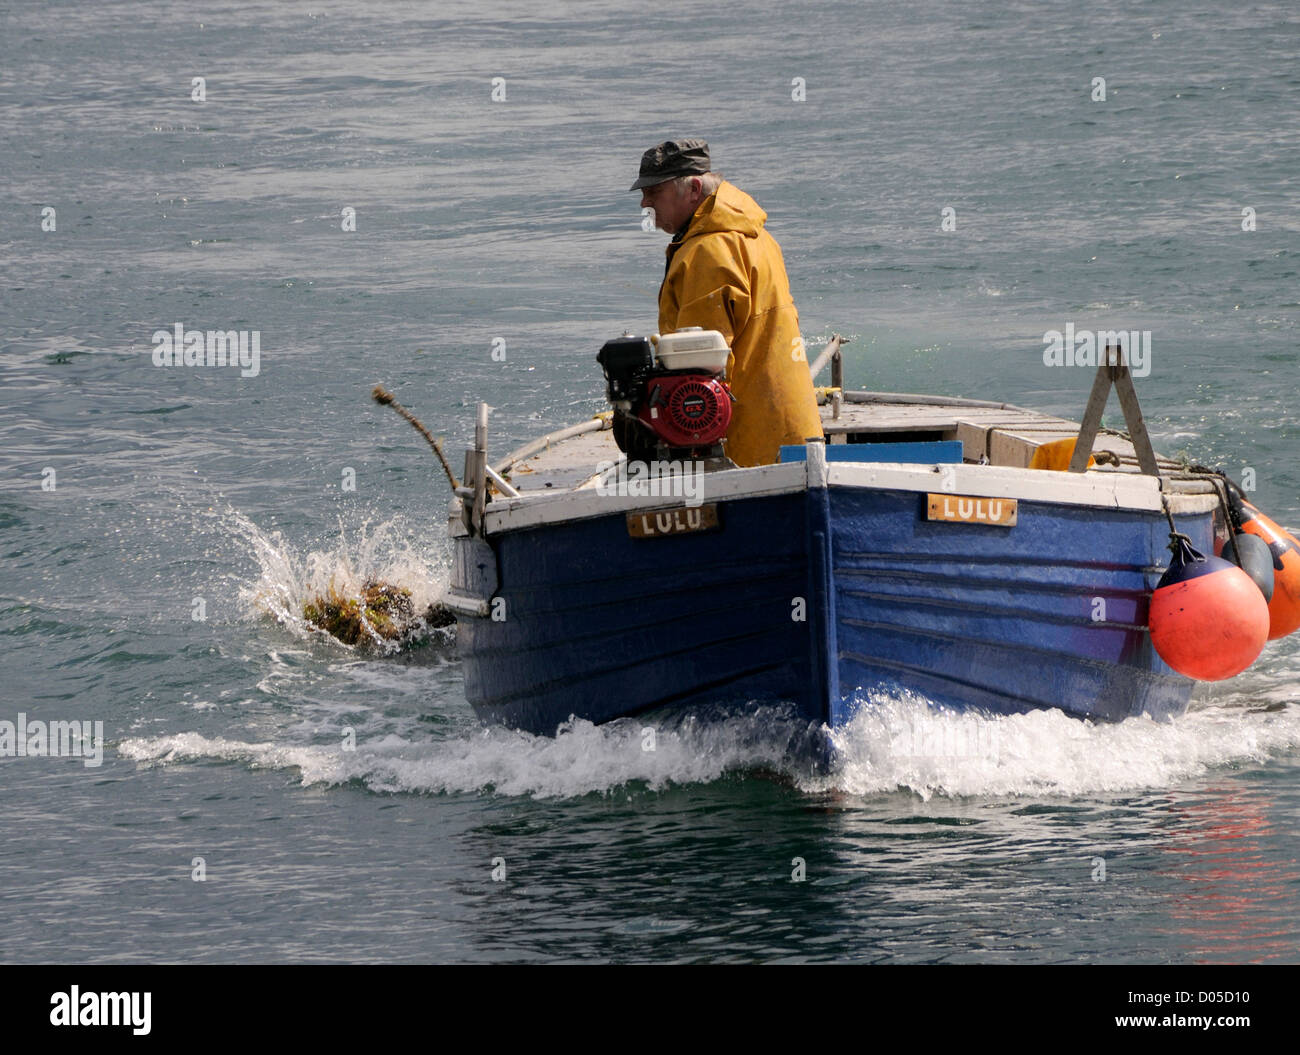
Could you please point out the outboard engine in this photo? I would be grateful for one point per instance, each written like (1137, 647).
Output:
(670, 400)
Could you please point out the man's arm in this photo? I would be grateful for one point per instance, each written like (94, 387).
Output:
(707, 287)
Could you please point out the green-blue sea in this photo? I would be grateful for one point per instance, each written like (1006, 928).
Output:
(392, 192)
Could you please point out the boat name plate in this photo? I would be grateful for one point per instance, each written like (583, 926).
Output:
(969, 509)
(682, 521)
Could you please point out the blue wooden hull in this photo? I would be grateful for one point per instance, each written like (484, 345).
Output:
(817, 598)
(600, 625)
(1005, 620)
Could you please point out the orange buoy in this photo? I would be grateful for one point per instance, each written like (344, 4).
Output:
(1208, 619)
(1284, 606)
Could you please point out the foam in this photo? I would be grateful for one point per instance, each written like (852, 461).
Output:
(894, 744)
(900, 742)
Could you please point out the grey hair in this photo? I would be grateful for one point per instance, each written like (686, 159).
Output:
(709, 182)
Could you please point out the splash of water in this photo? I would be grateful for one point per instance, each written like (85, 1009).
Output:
(289, 579)
(894, 744)
(580, 759)
(903, 743)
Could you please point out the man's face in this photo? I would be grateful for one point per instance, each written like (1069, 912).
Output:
(673, 203)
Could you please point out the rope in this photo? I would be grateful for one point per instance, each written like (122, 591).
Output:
(1221, 483)
(1229, 519)
(1176, 537)
(385, 398)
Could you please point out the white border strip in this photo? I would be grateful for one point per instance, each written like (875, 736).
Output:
(1106, 490)
(533, 509)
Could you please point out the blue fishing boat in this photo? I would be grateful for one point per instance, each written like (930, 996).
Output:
(922, 547)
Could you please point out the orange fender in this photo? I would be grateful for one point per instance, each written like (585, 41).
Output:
(1284, 608)
(1208, 619)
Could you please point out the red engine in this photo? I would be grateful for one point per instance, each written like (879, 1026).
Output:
(686, 410)
(672, 404)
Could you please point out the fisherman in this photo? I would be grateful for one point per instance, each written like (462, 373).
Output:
(725, 272)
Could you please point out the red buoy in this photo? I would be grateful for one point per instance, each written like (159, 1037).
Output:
(1208, 619)
(1284, 606)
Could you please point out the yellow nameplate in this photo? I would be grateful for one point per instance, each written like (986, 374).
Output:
(966, 509)
(681, 521)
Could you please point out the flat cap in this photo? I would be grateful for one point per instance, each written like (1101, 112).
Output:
(670, 159)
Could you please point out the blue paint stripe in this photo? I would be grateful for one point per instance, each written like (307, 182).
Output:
(909, 452)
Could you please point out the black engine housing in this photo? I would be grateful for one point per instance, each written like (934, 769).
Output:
(627, 362)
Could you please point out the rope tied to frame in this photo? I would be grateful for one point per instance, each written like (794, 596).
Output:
(1176, 537)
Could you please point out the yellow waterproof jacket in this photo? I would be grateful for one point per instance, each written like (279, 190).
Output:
(727, 274)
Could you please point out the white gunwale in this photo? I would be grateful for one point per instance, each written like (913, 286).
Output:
(558, 484)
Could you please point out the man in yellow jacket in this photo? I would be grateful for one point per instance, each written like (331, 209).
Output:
(725, 272)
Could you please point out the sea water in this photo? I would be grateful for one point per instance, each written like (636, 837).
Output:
(434, 198)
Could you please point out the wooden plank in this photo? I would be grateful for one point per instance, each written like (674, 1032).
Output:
(970, 509)
(1137, 427)
(664, 522)
(1091, 420)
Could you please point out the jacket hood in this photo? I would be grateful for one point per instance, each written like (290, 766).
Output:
(727, 209)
